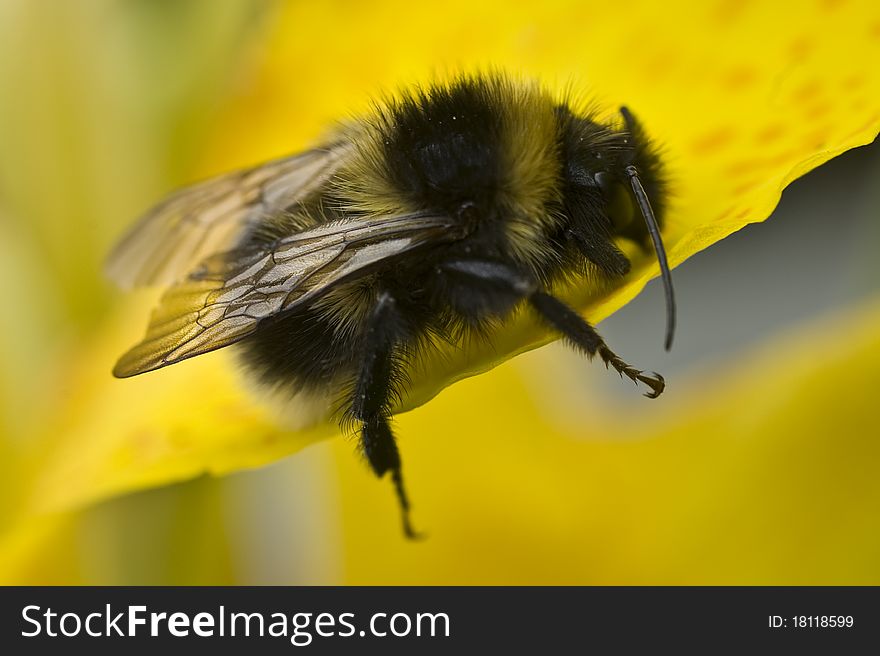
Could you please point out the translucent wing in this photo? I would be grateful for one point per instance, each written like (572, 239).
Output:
(212, 216)
(226, 298)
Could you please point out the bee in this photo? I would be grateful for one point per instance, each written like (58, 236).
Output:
(431, 220)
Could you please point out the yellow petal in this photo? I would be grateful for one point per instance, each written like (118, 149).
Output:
(176, 536)
(30, 554)
(768, 475)
(107, 436)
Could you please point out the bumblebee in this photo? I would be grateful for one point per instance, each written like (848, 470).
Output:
(431, 220)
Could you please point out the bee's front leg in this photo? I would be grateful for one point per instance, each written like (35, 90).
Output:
(584, 337)
(504, 282)
(373, 391)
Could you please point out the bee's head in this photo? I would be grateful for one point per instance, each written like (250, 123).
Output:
(596, 160)
(637, 156)
(618, 173)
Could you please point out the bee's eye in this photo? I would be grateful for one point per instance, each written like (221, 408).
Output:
(604, 181)
(619, 205)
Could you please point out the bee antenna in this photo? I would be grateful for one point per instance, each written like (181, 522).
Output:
(645, 207)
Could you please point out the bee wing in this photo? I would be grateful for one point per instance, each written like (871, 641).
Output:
(226, 298)
(212, 216)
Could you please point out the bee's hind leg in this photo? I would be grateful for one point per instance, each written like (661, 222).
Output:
(373, 391)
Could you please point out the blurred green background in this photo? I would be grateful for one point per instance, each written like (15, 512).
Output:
(105, 106)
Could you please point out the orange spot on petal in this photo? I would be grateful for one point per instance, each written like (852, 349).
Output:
(739, 78)
(728, 11)
(859, 104)
(712, 141)
(801, 48)
(807, 91)
(854, 82)
(744, 166)
(830, 5)
(817, 111)
(770, 133)
(739, 190)
(764, 163)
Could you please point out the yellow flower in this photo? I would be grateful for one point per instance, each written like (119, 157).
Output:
(744, 97)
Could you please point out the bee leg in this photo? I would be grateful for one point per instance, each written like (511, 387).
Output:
(372, 393)
(580, 333)
(599, 250)
(494, 276)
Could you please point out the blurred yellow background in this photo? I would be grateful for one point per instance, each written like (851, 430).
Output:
(757, 466)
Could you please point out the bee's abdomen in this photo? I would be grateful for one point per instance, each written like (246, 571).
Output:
(300, 351)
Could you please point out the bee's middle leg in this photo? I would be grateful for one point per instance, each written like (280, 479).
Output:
(373, 391)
